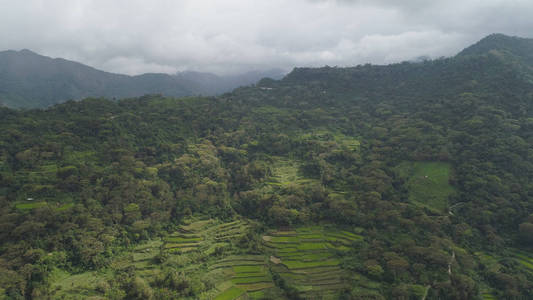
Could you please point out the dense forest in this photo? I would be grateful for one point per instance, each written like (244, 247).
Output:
(406, 181)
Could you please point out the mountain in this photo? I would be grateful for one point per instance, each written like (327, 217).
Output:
(30, 80)
(519, 47)
(512, 50)
(405, 181)
(211, 84)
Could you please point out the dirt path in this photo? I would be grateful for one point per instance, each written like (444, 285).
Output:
(426, 292)
(452, 258)
(450, 263)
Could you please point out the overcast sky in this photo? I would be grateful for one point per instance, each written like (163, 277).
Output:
(137, 36)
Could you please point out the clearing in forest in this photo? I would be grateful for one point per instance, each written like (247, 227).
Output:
(427, 183)
(285, 172)
(65, 285)
(24, 206)
(323, 137)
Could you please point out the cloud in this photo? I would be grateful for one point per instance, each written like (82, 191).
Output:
(231, 36)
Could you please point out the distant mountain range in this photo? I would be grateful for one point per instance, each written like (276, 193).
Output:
(30, 80)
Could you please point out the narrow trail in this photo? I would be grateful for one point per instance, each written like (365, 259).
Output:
(426, 292)
(428, 287)
(454, 206)
(450, 263)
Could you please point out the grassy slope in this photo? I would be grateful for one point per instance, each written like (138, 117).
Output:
(427, 183)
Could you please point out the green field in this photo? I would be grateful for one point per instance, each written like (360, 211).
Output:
(191, 248)
(487, 295)
(324, 137)
(30, 205)
(312, 246)
(249, 273)
(237, 274)
(77, 286)
(247, 269)
(285, 239)
(284, 172)
(183, 240)
(230, 294)
(524, 258)
(305, 259)
(251, 279)
(427, 183)
(298, 264)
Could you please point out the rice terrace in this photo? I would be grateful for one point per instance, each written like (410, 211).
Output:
(306, 258)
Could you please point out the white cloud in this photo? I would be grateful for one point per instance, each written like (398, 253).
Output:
(138, 36)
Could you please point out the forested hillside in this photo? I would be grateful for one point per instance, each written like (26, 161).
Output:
(406, 181)
(30, 80)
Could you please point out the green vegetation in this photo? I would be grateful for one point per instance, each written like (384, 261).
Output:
(309, 267)
(298, 264)
(286, 172)
(29, 205)
(326, 137)
(428, 183)
(373, 182)
(230, 294)
(74, 286)
(488, 296)
(183, 239)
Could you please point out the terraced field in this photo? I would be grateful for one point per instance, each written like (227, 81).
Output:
(86, 285)
(203, 235)
(487, 295)
(238, 274)
(143, 259)
(77, 286)
(193, 246)
(495, 263)
(524, 258)
(306, 259)
(285, 171)
(248, 275)
(323, 136)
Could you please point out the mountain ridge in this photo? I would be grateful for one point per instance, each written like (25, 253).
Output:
(31, 80)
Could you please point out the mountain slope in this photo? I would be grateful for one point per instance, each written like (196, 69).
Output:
(31, 80)
(520, 47)
(374, 182)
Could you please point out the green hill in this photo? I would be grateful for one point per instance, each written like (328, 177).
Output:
(404, 181)
(30, 80)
